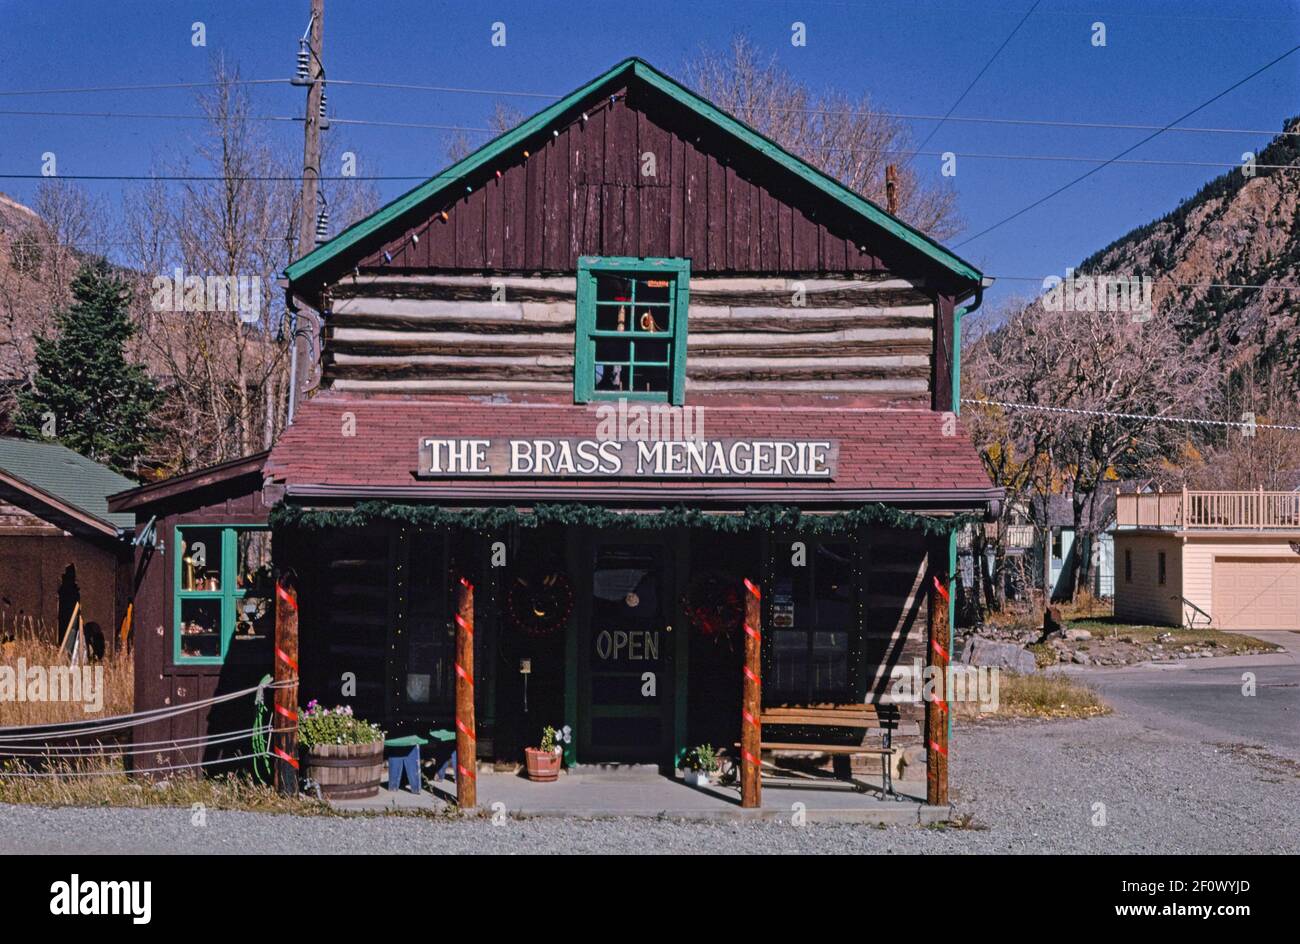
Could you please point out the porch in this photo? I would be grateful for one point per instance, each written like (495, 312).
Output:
(593, 792)
(1189, 510)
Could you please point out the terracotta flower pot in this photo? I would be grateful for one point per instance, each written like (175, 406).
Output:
(543, 766)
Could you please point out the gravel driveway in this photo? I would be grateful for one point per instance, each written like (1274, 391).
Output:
(1032, 788)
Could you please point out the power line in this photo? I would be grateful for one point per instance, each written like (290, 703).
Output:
(1167, 281)
(1036, 122)
(960, 98)
(142, 88)
(1177, 420)
(1130, 149)
(1061, 158)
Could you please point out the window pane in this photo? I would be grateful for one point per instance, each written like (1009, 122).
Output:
(652, 320)
(616, 351)
(833, 577)
(431, 642)
(613, 317)
(651, 352)
(253, 560)
(653, 289)
(653, 379)
(200, 559)
(613, 288)
(611, 377)
(830, 665)
(200, 628)
(789, 665)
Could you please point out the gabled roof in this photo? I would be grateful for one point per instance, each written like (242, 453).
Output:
(65, 481)
(643, 71)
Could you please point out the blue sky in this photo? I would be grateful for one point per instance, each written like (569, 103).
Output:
(1162, 58)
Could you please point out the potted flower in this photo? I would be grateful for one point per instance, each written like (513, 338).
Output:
(342, 754)
(543, 761)
(701, 765)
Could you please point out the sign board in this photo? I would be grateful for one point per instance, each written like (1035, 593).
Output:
(623, 458)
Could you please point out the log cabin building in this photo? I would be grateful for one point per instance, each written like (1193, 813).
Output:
(606, 368)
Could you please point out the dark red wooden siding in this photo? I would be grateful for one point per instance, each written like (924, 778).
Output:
(582, 192)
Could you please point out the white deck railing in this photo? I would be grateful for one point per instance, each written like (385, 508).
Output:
(1258, 510)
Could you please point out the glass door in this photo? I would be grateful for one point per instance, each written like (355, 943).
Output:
(627, 654)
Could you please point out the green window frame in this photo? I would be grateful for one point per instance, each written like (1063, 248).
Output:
(651, 330)
(227, 597)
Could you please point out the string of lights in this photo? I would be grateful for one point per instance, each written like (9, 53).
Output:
(1146, 417)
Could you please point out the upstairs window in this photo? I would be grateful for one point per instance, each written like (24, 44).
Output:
(631, 329)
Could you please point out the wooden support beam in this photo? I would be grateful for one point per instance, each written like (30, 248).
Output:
(751, 731)
(936, 709)
(284, 724)
(466, 743)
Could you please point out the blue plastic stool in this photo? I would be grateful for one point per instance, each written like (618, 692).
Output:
(443, 735)
(404, 757)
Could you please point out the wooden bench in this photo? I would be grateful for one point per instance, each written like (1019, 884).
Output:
(876, 719)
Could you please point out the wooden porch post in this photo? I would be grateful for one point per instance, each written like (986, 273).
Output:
(751, 731)
(284, 727)
(936, 708)
(466, 746)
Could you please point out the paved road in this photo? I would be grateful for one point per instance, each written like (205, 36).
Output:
(1204, 698)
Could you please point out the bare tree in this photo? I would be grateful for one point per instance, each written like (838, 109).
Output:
(845, 136)
(1084, 367)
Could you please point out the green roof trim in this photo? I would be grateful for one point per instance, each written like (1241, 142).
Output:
(67, 476)
(642, 70)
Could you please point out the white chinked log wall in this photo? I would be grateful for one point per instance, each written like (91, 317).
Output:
(445, 334)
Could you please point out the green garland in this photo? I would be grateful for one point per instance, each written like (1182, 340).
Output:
(753, 518)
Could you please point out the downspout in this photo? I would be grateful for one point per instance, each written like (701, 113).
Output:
(957, 316)
(292, 314)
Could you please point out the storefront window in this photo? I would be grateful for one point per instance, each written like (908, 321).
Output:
(631, 337)
(814, 621)
(429, 667)
(225, 603)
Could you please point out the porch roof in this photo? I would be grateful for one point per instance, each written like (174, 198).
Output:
(892, 455)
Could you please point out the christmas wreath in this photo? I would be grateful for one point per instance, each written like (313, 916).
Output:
(538, 606)
(714, 605)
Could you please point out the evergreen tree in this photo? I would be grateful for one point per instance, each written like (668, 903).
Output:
(85, 394)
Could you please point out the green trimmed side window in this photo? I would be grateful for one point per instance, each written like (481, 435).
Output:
(225, 594)
(631, 330)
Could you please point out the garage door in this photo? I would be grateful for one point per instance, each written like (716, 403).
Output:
(1256, 593)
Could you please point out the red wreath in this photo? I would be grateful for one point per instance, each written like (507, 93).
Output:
(540, 606)
(714, 605)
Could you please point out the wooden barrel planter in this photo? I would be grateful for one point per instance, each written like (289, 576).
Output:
(346, 771)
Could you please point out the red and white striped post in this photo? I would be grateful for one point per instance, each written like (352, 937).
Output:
(936, 709)
(284, 726)
(751, 703)
(466, 745)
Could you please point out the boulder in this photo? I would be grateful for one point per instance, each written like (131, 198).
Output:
(1003, 655)
(1081, 658)
(1077, 635)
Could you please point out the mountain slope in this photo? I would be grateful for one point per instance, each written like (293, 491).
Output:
(1236, 230)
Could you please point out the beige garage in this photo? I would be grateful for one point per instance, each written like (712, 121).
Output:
(1256, 593)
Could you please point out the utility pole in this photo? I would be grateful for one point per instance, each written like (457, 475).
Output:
(311, 131)
(315, 81)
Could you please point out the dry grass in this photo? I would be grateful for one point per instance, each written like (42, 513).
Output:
(1085, 606)
(1038, 696)
(119, 684)
(103, 782)
(1226, 643)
